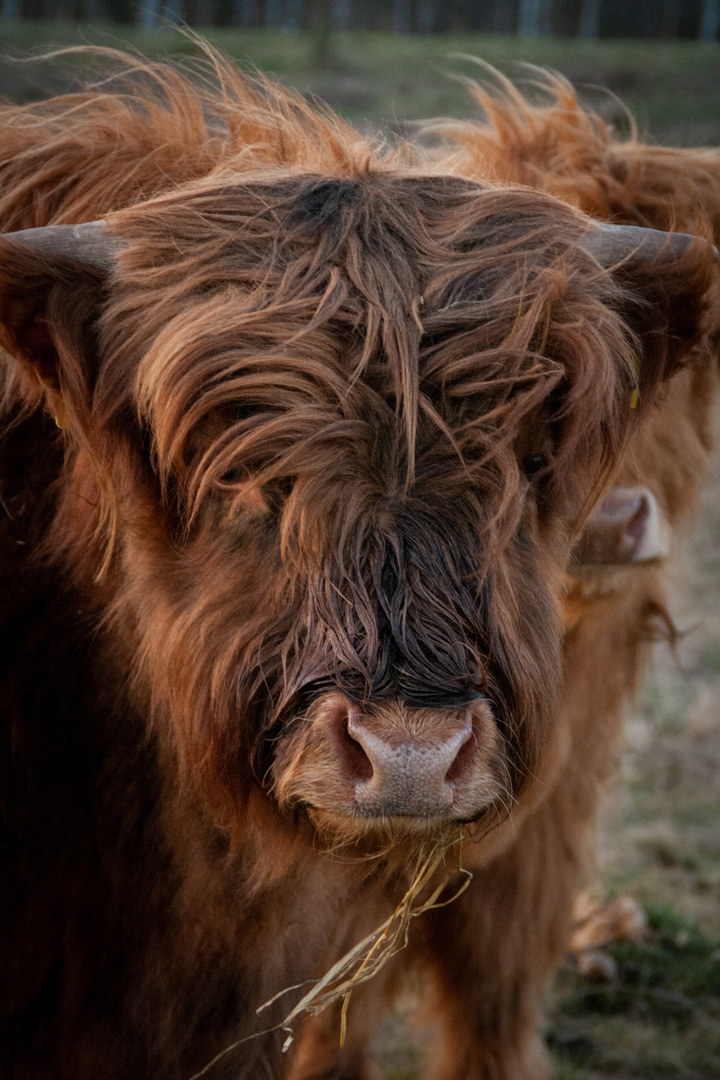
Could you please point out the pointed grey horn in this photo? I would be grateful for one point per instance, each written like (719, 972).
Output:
(612, 244)
(90, 242)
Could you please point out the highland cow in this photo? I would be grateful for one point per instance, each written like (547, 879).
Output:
(299, 436)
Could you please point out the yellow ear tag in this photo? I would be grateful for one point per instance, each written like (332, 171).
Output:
(635, 392)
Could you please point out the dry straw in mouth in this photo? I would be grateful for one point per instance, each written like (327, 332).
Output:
(369, 956)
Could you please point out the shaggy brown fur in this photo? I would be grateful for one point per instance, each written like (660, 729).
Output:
(330, 429)
(561, 148)
(489, 957)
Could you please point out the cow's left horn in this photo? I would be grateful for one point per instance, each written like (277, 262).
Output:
(89, 243)
(612, 244)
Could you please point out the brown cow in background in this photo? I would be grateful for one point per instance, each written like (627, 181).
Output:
(289, 581)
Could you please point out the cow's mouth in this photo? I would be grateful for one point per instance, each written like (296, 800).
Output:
(416, 770)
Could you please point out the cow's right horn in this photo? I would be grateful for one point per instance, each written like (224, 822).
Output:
(89, 242)
(612, 244)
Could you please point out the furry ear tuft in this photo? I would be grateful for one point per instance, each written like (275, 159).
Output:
(49, 307)
(667, 298)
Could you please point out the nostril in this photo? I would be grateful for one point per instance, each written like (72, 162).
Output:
(466, 751)
(636, 526)
(359, 763)
(354, 760)
(465, 755)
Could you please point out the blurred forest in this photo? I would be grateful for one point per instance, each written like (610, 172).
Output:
(565, 18)
(670, 85)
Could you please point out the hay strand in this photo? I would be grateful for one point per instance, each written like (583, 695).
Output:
(369, 956)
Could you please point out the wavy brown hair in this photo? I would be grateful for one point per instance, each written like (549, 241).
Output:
(319, 369)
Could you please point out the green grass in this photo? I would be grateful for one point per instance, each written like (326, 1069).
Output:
(672, 87)
(661, 836)
(660, 1020)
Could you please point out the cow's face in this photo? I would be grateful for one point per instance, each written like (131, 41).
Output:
(347, 430)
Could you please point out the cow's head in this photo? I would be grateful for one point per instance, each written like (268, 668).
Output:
(334, 438)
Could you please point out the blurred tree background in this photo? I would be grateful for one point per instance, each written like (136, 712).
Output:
(388, 61)
(583, 18)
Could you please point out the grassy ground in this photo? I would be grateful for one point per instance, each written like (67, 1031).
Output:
(660, 839)
(672, 87)
(659, 1021)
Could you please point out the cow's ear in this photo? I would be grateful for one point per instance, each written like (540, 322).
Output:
(51, 297)
(666, 279)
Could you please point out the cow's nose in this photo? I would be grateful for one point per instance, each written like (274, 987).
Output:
(383, 760)
(396, 773)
